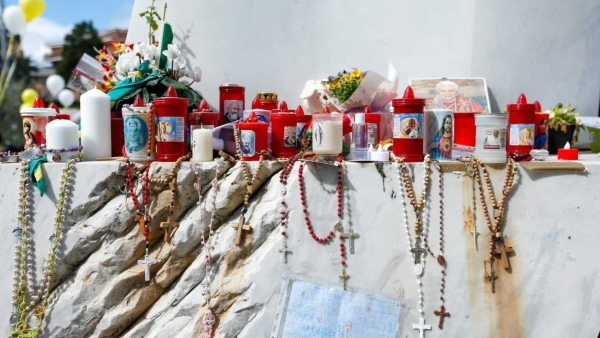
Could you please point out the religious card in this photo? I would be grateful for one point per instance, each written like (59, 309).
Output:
(456, 94)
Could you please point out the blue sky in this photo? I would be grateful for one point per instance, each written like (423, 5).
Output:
(60, 16)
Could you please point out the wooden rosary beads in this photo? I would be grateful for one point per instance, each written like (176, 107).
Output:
(170, 179)
(496, 245)
(246, 172)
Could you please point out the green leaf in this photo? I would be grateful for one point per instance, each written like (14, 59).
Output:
(154, 25)
(145, 96)
(142, 14)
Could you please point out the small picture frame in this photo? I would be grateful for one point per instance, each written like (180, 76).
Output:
(456, 94)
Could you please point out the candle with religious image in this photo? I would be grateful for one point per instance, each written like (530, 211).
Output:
(171, 127)
(521, 126)
(231, 102)
(541, 127)
(302, 123)
(491, 138)
(253, 137)
(283, 132)
(35, 120)
(136, 128)
(62, 134)
(438, 134)
(327, 133)
(408, 127)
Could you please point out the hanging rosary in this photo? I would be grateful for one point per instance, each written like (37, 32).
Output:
(208, 318)
(23, 272)
(246, 172)
(337, 227)
(142, 216)
(405, 182)
(283, 177)
(496, 245)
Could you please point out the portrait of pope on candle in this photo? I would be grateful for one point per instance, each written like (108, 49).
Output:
(136, 134)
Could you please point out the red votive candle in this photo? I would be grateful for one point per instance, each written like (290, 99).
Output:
(408, 127)
(568, 154)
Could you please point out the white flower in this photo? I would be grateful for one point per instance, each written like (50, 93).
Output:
(151, 53)
(181, 62)
(140, 48)
(196, 75)
(123, 64)
(172, 52)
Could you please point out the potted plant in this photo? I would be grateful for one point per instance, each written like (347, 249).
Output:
(564, 127)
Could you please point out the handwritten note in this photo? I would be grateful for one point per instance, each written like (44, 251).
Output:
(319, 311)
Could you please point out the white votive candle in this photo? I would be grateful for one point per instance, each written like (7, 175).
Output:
(202, 145)
(327, 138)
(61, 134)
(95, 125)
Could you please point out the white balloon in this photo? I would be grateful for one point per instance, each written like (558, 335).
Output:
(14, 19)
(66, 98)
(54, 84)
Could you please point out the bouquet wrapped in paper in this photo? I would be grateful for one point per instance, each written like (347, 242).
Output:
(350, 91)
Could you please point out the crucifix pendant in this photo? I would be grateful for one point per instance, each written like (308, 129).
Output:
(503, 252)
(143, 221)
(475, 235)
(147, 262)
(421, 327)
(168, 226)
(492, 278)
(240, 228)
(284, 250)
(351, 235)
(442, 313)
(417, 251)
(344, 277)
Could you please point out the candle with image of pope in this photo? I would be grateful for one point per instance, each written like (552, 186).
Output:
(408, 127)
(521, 126)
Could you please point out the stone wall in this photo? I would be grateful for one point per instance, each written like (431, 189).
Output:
(551, 289)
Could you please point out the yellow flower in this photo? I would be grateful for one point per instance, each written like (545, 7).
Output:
(356, 73)
(347, 77)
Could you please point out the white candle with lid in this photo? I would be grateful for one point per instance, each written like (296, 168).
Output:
(61, 134)
(327, 135)
(95, 125)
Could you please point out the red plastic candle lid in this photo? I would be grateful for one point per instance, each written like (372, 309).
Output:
(138, 101)
(326, 110)
(39, 103)
(204, 106)
(538, 107)
(408, 99)
(521, 104)
(171, 92)
(300, 111)
(55, 107)
(368, 110)
(283, 106)
(256, 103)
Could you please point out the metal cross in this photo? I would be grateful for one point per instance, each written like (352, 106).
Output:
(147, 261)
(351, 235)
(503, 251)
(475, 235)
(492, 278)
(344, 277)
(442, 313)
(421, 326)
(284, 250)
(417, 251)
(240, 227)
(168, 225)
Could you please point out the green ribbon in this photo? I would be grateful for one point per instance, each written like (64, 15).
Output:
(36, 174)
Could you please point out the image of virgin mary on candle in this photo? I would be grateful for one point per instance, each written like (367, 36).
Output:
(136, 134)
(30, 140)
(318, 135)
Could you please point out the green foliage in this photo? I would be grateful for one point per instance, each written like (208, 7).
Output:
(152, 19)
(11, 127)
(83, 39)
(158, 88)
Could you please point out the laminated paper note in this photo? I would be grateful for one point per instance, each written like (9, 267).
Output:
(319, 311)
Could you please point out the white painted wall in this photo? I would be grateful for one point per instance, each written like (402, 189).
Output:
(547, 49)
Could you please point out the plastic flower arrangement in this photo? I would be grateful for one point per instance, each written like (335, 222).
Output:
(344, 84)
(561, 117)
